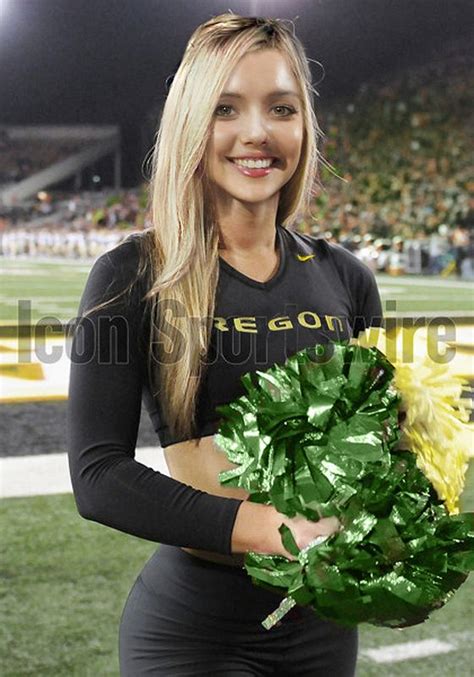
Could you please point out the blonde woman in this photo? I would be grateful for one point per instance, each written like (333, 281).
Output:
(219, 286)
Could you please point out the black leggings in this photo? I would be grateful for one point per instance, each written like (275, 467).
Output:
(188, 616)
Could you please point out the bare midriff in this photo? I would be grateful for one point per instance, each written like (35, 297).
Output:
(198, 463)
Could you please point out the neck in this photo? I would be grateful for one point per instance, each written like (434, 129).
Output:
(245, 239)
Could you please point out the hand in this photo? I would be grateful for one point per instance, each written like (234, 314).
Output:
(304, 531)
(256, 529)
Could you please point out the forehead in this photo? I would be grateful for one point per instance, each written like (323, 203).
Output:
(261, 71)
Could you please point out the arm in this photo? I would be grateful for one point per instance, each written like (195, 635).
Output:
(103, 413)
(359, 282)
(369, 306)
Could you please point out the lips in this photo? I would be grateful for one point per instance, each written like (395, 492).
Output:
(253, 172)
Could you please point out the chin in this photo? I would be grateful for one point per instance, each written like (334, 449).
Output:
(251, 197)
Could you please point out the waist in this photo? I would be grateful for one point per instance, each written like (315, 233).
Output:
(224, 596)
(296, 613)
(235, 560)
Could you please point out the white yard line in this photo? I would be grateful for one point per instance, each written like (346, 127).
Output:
(391, 290)
(424, 282)
(430, 313)
(424, 648)
(412, 297)
(395, 653)
(43, 474)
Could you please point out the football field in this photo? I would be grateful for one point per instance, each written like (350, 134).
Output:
(53, 289)
(64, 577)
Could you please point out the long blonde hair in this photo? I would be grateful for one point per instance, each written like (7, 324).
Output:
(182, 246)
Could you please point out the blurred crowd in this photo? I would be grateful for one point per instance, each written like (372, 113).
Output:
(79, 226)
(444, 251)
(401, 152)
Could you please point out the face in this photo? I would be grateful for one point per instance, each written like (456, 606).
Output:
(253, 119)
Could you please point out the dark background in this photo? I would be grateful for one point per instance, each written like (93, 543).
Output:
(105, 61)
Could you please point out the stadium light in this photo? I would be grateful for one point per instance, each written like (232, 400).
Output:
(3, 7)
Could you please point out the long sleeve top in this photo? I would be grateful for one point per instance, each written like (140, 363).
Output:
(319, 293)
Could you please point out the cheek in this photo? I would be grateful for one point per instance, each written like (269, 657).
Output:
(296, 137)
(222, 138)
(294, 143)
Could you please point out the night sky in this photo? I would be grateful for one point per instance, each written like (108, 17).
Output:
(105, 61)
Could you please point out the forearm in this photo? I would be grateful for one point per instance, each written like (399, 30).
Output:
(256, 529)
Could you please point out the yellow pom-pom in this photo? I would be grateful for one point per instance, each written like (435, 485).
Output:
(436, 426)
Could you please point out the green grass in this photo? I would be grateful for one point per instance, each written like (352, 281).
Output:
(54, 288)
(64, 581)
(426, 294)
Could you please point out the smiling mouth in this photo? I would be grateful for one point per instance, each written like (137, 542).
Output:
(275, 162)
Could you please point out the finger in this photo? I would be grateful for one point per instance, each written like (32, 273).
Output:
(329, 525)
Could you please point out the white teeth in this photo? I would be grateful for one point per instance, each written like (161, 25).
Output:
(254, 164)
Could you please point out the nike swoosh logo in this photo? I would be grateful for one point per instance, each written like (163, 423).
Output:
(305, 257)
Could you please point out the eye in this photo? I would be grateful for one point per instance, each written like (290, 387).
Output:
(290, 109)
(222, 106)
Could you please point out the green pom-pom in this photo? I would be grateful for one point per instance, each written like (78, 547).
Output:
(317, 437)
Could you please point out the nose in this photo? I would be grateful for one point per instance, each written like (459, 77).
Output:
(254, 129)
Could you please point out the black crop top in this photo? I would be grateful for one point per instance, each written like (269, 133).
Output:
(319, 293)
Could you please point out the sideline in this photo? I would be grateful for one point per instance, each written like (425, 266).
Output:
(43, 474)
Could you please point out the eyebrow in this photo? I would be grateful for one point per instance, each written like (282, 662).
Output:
(276, 92)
